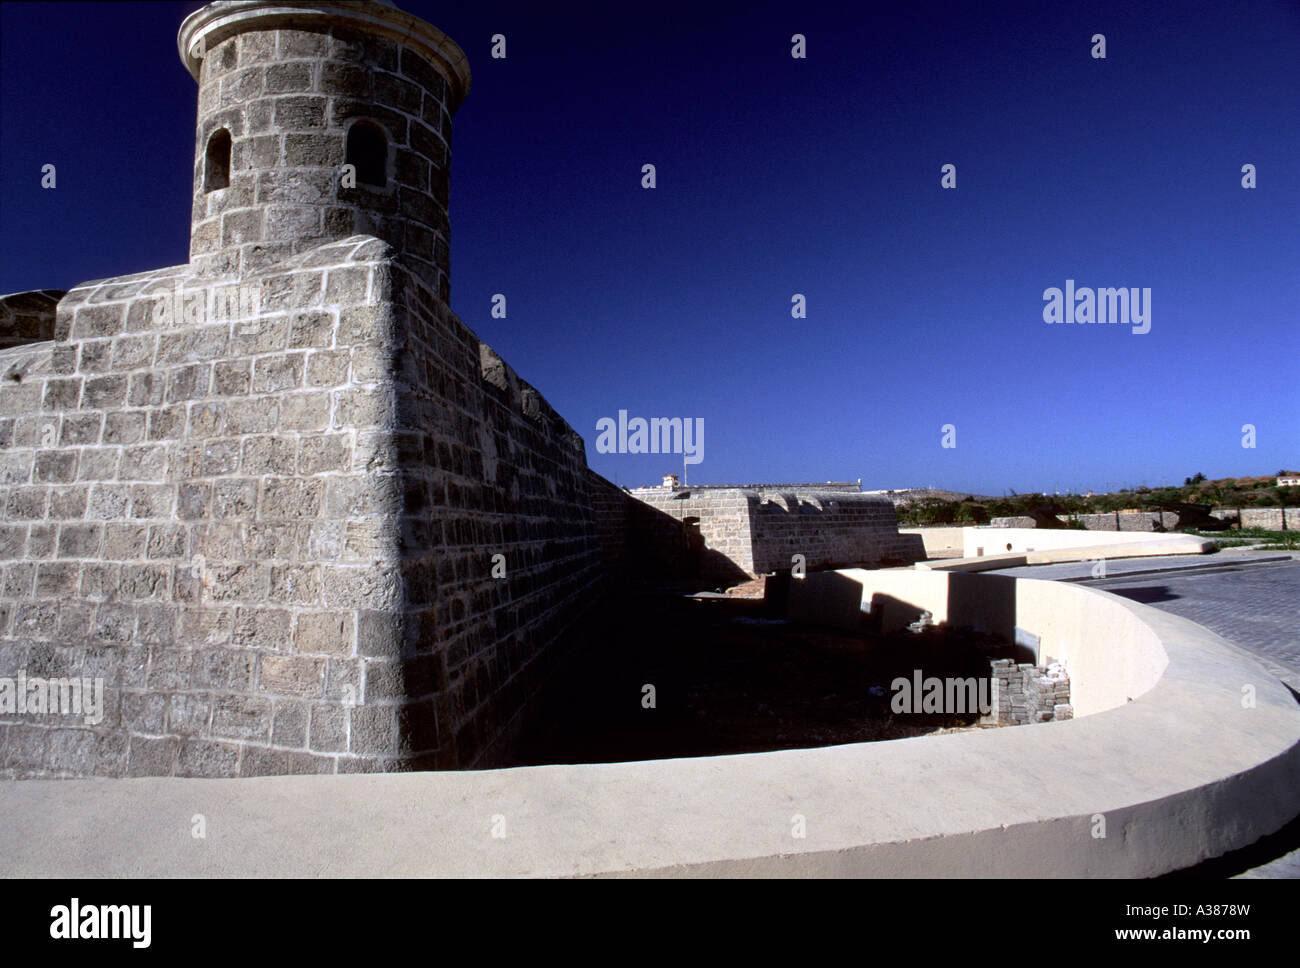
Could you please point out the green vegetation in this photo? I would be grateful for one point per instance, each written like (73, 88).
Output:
(1252, 537)
(1282, 541)
(1256, 534)
(1227, 492)
(935, 511)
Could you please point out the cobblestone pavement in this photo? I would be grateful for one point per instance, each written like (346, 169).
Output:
(1129, 567)
(1254, 606)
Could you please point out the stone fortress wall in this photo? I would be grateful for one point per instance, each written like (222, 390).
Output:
(272, 540)
(260, 495)
(760, 528)
(280, 502)
(1266, 519)
(289, 98)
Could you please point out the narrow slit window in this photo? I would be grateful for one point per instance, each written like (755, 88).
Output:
(367, 149)
(216, 170)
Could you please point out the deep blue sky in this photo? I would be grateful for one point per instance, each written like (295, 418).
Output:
(776, 176)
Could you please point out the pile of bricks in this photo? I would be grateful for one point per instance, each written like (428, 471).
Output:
(1027, 693)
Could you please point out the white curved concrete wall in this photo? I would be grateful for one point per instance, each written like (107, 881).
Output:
(1184, 772)
(1112, 655)
(979, 542)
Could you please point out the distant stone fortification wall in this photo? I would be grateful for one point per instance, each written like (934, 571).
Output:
(637, 541)
(721, 517)
(272, 535)
(831, 529)
(1267, 519)
(610, 507)
(1126, 520)
(757, 530)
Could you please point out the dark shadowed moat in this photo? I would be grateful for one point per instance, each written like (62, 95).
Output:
(728, 678)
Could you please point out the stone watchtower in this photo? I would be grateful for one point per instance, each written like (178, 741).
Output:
(280, 502)
(291, 92)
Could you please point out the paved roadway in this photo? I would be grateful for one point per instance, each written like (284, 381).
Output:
(1252, 599)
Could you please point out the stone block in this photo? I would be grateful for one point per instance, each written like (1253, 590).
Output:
(271, 455)
(295, 584)
(325, 633)
(190, 713)
(242, 717)
(1266, 519)
(329, 728)
(289, 724)
(260, 761)
(152, 756)
(301, 113)
(373, 729)
(274, 373)
(240, 583)
(328, 368)
(207, 758)
(261, 628)
(235, 498)
(312, 151)
(123, 427)
(304, 412)
(315, 329)
(231, 378)
(292, 76)
(290, 498)
(292, 675)
(324, 455)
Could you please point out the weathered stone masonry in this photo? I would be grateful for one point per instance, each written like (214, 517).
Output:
(272, 539)
(259, 495)
(288, 98)
(281, 500)
(760, 528)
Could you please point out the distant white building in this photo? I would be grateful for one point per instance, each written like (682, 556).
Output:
(1292, 481)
